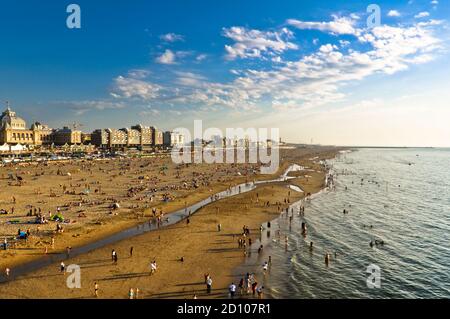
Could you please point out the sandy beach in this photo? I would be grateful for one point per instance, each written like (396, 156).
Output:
(203, 248)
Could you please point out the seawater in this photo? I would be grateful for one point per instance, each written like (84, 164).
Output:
(398, 196)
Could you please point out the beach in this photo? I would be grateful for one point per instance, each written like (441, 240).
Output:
(184, 252)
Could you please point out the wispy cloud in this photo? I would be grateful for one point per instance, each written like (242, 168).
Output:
(339, 25)
(168, 57)
(393, 13)
(309, 81)
(126, 87)
(256, 43)
(171, 37)
(81, 107)
(422, 14)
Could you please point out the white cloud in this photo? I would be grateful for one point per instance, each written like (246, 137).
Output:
(422, 14)
(134, 88)
(339, 25)
(201, 57)
(81, 107)
(434, 2)
(171, 37)
(168, 57)
(190, 79)
(393, 13)
(255, 43)
(312, 80)
(138, 74)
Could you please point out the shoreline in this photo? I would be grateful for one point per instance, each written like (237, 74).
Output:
(268, 189)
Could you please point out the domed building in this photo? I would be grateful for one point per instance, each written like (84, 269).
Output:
(13, 130)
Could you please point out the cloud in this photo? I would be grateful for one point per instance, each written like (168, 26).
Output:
(168, 57)
(305, 82)
(422, 14)
(201, 57)
(124, 87)
(81, 107)
(171, 37)
(256, 43)
(393, 13)
(339, 25)
(434, 2)
(138, 74)
(190, 79)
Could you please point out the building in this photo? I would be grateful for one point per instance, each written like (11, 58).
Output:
(66, 136)
(178, 139)
(86, 138)
(158, 139)
(167, 139)
(100, 138)
(133, 137)
(117, 138)
(13, 130)
(137, 136)
(146, 135)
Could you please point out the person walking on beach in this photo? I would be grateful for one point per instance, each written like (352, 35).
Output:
(219, 227)
(241, 286)
(153, 267)
(62, 267)
(96, 289)
(131, 251)
(208, 285)
(131, 293)
(114, 256)
(7, 271)
(232, 290)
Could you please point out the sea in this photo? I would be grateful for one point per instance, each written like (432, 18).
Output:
(396, 199)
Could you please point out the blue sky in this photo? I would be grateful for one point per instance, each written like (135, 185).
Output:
(312, 68)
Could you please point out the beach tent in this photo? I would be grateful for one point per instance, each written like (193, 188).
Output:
(18, 148)
(4, 148)
(57, 218)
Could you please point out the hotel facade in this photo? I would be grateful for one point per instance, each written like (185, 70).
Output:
(13, 130)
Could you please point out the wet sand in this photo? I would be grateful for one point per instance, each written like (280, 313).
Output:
(203, 247)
